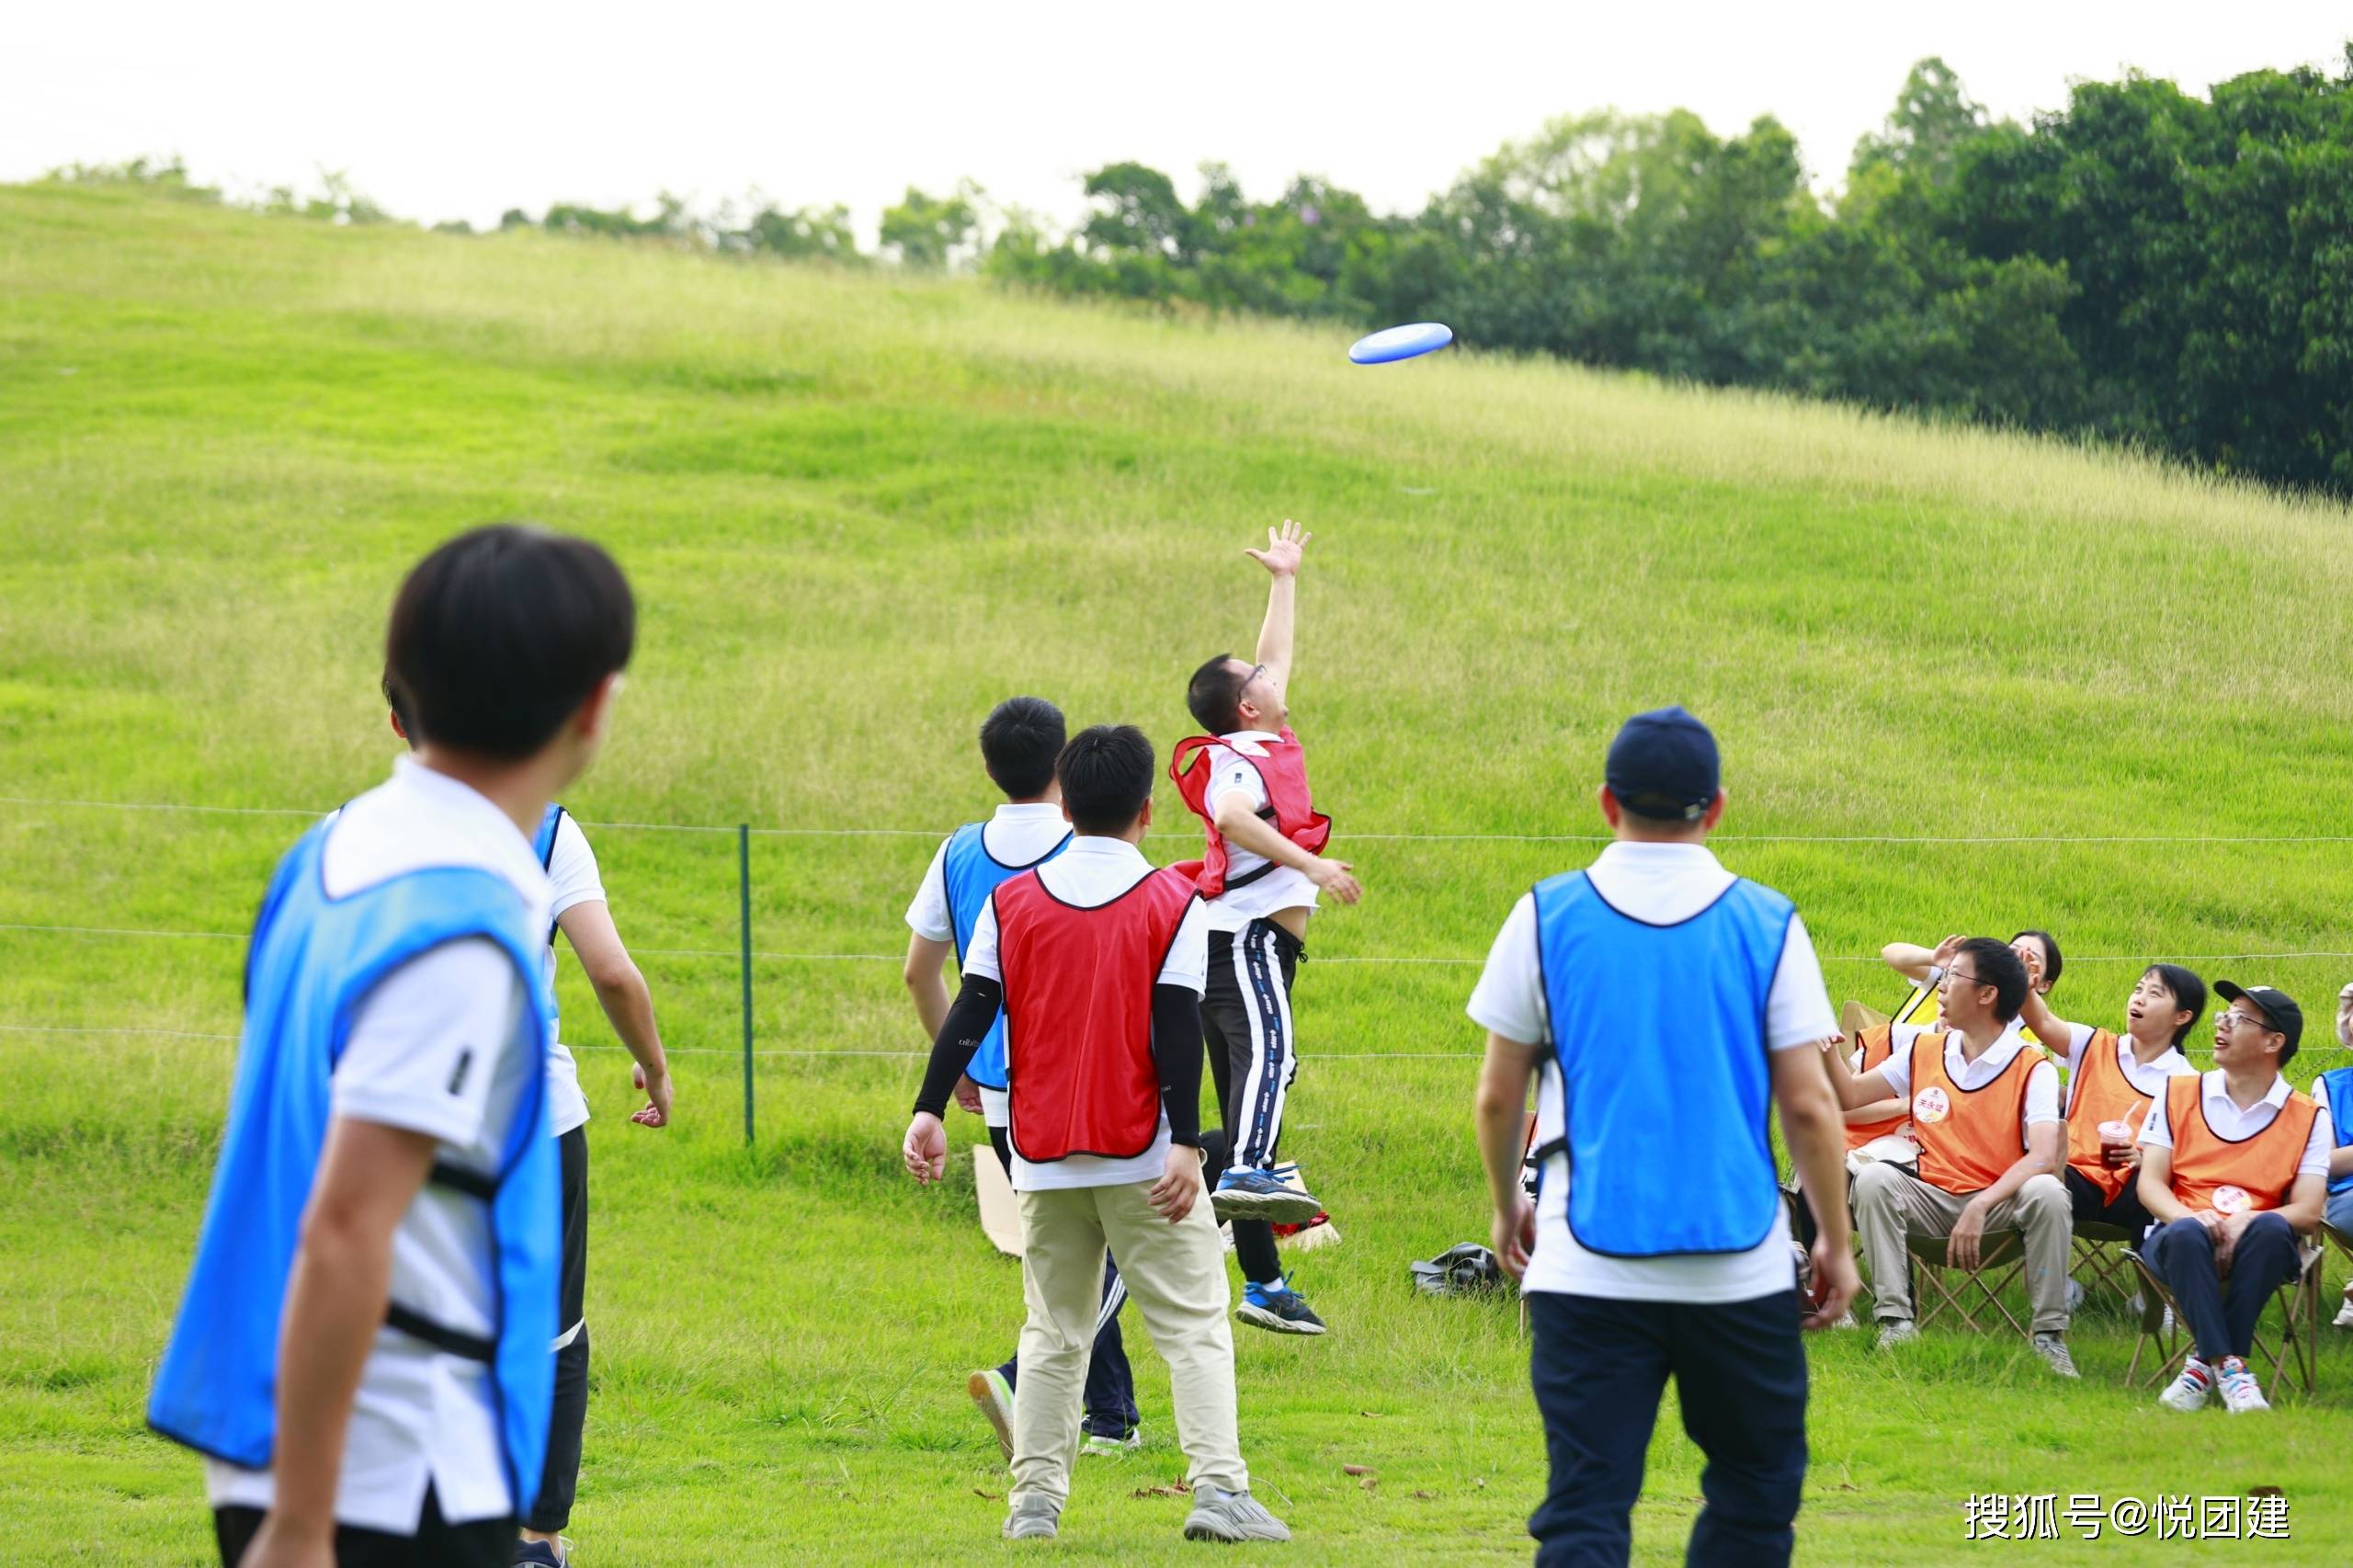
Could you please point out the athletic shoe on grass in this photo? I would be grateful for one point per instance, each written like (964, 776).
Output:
(2055, 1355)
(1032, 1518)
(1283, 1312)
(1231, 1516)
(1110, 1447)
(1893, 1332)
(2241, 1395)
(1245, 1194)
(2343, 1318)
(2189, 1391)
(542, 1553)
(995, 1397)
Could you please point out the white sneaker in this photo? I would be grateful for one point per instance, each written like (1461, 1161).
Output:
(1893, 1332)
(2241, 1395)
(1847, 1320)
(2343, 1318)
(2055, 1355)
(2189, 1391)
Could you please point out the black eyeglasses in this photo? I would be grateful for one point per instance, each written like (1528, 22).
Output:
(1965, 979)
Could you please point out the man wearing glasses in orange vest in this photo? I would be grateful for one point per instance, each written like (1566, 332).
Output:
(2232, 1165)
(1985, 1113)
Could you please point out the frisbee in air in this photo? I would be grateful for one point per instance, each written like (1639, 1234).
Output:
(1395, 342)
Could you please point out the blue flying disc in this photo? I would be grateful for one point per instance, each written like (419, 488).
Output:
(1396, 342)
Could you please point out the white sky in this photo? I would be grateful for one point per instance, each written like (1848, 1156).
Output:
(441, 110)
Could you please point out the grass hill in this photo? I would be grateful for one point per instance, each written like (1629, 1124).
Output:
(858, 511)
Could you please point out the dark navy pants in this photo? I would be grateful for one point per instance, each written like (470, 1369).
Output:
(2221, 1316)
(1739, 1370)
(1110, 1395)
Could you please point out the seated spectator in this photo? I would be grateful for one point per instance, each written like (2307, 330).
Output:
(2112, 1084)
(2232, 1168)
(2333, 1093)
(1924, 967)
(1985, 1110)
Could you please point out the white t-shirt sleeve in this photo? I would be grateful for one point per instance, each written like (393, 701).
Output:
(927, 915)
(2156, 1132)
(1229, 773)
(1896, 1071)
(571, 869)
(2316, 1147)
(2319, 1095)
(1509, 998)
(2078, 1037)
(1188, 956)
(425, 1045)
(980, 957)
(1797, 1012)
(2042, 1094)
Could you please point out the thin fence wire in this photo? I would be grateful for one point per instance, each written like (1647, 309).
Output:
(725, 1050)
(1341, 834)
(1381, 959)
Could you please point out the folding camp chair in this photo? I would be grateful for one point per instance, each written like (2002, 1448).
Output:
(1975, 1296)
(2344, 1243)
(2099, 1261)
(2296, 1350)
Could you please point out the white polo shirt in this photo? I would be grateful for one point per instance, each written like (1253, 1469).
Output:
(439, 1047)
(1663, 883)
(1014, 835)
(572, 874)
(1280, 889)
(2146, 1078)
(2042, 1079)
(2235, 1126)
(1091, 872)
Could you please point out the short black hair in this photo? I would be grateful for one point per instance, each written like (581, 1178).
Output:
(2189, 991)
(1990, 963)
(1019, 739)
(392, 701)
(1214, 695)
(498, 636)
(1106, 777)
(2051, 952)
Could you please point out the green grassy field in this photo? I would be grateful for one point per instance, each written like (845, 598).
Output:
(856, 512)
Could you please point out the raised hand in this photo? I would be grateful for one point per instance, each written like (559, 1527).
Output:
(1285, 546)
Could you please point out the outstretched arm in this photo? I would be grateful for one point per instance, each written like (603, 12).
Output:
(628, 1002)
(1285, 546)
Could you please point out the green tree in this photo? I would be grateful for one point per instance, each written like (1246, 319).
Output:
(927, 232)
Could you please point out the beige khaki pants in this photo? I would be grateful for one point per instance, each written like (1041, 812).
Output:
(1175, 1276)
(1892, 1206)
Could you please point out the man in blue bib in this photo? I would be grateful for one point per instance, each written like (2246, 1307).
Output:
(1662, 1004)
(361, 1353)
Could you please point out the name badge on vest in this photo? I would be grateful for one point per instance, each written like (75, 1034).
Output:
(2229, 1199)
(1930, 1106)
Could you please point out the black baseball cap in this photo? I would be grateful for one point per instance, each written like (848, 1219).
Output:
(1663, 766)
(2276, 1005)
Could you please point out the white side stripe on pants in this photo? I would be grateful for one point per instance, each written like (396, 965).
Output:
(1259, 1104)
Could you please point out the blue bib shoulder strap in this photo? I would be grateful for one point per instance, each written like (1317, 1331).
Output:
(314, 960)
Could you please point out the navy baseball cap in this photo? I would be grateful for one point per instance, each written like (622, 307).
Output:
(1663, 766)
(2279, 1008)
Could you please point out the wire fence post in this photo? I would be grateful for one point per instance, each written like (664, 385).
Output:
(743, 902)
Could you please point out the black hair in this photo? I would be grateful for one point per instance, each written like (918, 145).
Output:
(1106, 773)
(1992, 963)
(2188, 992)
(1214, 695)
(498, 637)
(2051, 952)
(1019, 739)
(400, 713)
(2287, 1047)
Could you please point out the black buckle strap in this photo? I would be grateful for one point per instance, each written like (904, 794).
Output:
(459, 1178)
(466, 1346)
(1543, 1152)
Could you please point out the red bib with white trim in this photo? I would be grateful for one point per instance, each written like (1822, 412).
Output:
(1078, 1014)
(1282, 768)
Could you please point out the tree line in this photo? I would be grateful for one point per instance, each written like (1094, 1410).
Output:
(2143, 264)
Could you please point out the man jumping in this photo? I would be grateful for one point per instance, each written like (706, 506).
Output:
(1260, 876)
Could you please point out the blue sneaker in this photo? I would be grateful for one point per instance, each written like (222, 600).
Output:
(1245, 1194)
(1283, 1310)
